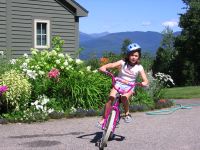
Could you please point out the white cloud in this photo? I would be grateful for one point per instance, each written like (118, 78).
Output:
(170, 23)
(146, 23)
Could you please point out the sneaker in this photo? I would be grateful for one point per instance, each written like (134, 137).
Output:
(128, 118)
(98, 125)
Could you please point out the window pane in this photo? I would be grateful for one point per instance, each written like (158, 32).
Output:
(44, 40)
(44, 28)
(38, 28)
(38, 40)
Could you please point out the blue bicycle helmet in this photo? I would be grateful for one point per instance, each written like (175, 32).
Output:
(133, 47)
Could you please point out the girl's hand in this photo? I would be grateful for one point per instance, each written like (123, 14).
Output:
(102, 69)
(145, 84)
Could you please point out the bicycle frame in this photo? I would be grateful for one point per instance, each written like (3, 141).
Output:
(115, 107)
(116, 104)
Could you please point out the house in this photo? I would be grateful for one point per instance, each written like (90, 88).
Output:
(26, 24)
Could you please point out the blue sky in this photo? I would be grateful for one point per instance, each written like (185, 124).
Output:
(130, 15)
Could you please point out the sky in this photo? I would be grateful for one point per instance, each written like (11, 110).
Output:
(130, 15)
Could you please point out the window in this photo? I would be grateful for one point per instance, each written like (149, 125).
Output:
(41, 33)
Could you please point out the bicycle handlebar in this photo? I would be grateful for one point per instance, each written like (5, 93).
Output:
(119, 90)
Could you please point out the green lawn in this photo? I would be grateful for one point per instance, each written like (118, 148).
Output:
(183, 92)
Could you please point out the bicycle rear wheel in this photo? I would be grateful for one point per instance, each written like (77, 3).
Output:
(108, 129)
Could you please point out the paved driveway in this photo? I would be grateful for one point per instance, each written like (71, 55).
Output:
(177, 131)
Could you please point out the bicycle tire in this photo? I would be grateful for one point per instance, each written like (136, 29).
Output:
(108, 129)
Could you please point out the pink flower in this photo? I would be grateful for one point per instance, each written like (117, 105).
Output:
(54, 73)
(3, 89)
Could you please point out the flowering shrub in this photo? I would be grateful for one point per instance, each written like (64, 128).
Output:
(155, 87)
(165, 79)
(76, 84)
(19, 89)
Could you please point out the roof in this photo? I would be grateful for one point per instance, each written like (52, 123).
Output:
(75, 8)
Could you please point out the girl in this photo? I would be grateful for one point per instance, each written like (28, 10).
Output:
(129, 70)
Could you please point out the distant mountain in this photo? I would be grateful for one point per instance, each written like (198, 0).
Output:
(86, 37)
(97, 44)
(98, 35)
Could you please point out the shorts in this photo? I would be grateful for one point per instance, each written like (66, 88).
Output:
(123, 86)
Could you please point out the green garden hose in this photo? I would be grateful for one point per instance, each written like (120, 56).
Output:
(171, 110)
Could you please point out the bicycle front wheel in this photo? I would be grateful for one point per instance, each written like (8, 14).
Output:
(108, 128)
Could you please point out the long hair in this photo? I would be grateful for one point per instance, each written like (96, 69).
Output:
(126, 59)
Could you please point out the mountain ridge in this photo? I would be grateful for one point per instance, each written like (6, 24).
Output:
(99, 43)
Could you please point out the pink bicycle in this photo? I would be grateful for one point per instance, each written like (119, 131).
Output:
(112, 119)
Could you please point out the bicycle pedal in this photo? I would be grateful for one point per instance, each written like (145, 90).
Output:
(97, 144)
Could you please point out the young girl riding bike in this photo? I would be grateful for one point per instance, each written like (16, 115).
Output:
(130, 68)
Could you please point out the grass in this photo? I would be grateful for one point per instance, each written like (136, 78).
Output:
(182, 92)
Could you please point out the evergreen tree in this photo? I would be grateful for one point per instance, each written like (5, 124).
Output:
(125, 43)
(165, 53)
(186, 68)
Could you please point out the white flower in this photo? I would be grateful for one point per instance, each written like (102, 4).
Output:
(53, 52)
(66, 63)
(39, 107)
(88, 68)
(70, 59)
(45, 101)
(27, 60)
(95, 71)
(78, 61)
(67, 56)
(24, 66)
(72, 110)
(57, 61)
(24, 70)
(34, 53)
(31, 74)
(41, 72)
(61, 55)
(35, 103)
(25, 55)
(50, 110)
(13, 61)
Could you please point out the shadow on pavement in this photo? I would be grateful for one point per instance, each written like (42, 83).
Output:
(45, 135)
(97, 136)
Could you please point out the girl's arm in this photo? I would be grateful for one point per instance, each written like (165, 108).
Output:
(145, 81)
(111, 65)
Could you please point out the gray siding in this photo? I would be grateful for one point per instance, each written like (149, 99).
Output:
(23, 12)
(2, 25)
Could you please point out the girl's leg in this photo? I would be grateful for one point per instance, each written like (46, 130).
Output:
(108, 105)
(125, 101)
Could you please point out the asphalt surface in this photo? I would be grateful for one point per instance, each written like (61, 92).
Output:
(177, 131)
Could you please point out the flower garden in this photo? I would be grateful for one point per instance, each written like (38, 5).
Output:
(50, 84)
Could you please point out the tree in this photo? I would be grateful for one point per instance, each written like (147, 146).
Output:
(187, 65)
(165, 53)
(125, 43)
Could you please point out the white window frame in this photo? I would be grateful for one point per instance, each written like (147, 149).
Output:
(47, 36)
